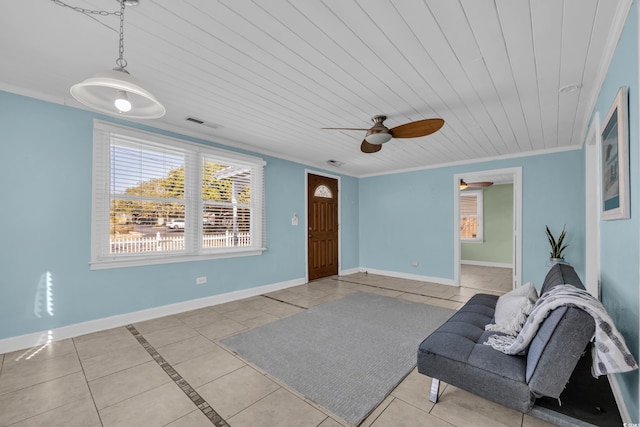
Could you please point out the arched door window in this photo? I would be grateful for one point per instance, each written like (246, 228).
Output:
(323, 191)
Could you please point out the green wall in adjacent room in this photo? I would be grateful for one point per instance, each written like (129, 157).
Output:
(497, 245)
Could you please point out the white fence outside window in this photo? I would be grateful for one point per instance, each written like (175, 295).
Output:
(176, 243)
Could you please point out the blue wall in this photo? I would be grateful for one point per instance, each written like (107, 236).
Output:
(45, 171)
(412, 213)
(620, 251)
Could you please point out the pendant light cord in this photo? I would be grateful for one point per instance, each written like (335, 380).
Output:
(120, 62)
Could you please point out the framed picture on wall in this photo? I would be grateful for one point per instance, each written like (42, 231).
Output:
(614, 155)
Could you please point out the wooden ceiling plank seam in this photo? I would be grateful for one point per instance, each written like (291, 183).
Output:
(374, 92)
(412, 34)
(547, 16)
(518, 42)
(338, 31)
(500, 71)
(328, 59)
(307, 48)
(281, 89)
(352, 15)
(419, 27)
(479, 76)
(481, 82)
(259, 108)
(578, 14)
(486, 126)
(222, 75)
(388, 19)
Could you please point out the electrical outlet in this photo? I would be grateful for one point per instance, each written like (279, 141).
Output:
(414, 264)
(201, 280)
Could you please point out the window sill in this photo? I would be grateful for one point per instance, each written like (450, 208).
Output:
(141, 261)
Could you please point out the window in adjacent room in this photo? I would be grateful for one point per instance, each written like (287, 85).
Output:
(471, 216)
(157, 199)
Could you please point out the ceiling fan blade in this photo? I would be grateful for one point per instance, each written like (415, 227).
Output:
(343, 129)
(365, 147)
(417, 129)
(479, 184)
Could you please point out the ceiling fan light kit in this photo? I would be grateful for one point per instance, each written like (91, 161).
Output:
(379, 133)
(377, 138)
(115, 91)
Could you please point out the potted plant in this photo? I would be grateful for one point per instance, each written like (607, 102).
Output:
(557, 247)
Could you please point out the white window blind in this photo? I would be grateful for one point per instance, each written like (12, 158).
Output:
(158, 199)
(471, 221)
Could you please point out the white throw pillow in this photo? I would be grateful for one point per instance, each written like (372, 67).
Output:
(512, 309)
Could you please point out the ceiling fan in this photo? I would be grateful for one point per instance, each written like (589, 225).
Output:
(464, 185)
(379, 134)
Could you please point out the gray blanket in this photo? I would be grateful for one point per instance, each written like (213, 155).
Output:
(610, 353)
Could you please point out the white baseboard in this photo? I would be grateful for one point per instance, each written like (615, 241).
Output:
(21, 342)
(617, 395)
(409, 276)
(487, 264)
(350, 271)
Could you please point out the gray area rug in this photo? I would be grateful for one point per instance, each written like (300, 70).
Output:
(346, 355)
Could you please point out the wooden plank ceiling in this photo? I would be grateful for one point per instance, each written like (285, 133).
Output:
(267, 75)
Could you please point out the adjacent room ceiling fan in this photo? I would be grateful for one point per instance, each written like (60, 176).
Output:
(379, 134)
(481, 184)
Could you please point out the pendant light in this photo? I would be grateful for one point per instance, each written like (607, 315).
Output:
(115, 91)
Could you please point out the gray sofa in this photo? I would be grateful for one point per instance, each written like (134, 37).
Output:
(455, 352)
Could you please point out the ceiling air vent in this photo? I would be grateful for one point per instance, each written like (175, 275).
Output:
(191, 119)
(203, 123)
(335, 163)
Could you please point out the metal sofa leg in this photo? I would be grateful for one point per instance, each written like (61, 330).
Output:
(435, 389)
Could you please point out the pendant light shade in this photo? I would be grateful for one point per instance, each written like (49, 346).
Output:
(109, 91)
(116, 91)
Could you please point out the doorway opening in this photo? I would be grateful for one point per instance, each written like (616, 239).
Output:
(511, 238)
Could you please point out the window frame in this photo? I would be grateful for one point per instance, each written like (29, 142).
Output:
(195, 153)
(479, 195)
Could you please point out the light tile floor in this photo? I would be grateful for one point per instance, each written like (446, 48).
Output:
(109, 379)
(487, 278)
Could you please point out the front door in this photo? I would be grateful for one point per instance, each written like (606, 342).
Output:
(322, 222)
